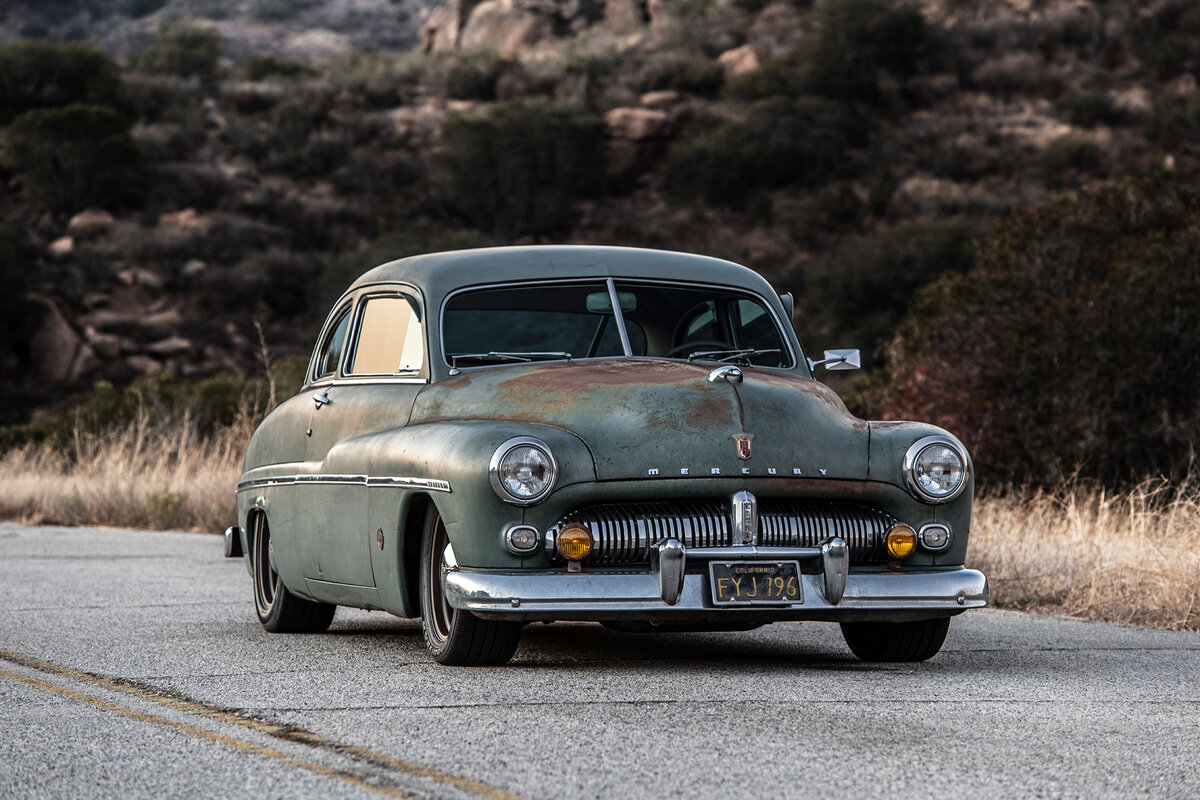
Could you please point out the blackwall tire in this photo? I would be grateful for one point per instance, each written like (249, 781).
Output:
(457, 638)
(279, 610)
(896, 641)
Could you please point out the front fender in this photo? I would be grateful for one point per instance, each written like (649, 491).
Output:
(458, 453)
(889, 442)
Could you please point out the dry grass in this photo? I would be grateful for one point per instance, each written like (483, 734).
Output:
(158, 475)
(1132, 557)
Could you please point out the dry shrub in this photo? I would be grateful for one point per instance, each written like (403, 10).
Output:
(1128, 557)
(158, 475)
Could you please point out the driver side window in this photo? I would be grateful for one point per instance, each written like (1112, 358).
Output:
(330, 353)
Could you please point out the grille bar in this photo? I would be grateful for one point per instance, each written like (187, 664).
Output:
(624, 532)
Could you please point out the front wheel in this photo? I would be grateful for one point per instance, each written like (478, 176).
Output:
(279, 610)
(456, 638)
(896, 641)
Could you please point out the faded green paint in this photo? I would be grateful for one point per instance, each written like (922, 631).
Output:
(621, 429)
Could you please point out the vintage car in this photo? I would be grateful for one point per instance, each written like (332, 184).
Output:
(634, 437)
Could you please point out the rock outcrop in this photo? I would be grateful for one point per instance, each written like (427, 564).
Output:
(509, 26)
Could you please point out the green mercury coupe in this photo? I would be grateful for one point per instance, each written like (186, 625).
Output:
(633, 437)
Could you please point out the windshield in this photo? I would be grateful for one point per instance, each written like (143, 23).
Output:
(539, 321)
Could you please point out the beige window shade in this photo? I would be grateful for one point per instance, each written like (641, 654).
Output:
(389, 340)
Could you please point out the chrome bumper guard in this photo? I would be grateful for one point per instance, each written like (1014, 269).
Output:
(834, 593)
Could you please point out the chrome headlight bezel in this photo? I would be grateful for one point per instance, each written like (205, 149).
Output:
(498, 458)
(910, 468)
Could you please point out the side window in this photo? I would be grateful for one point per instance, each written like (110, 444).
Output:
(330, 353)
(389, 340)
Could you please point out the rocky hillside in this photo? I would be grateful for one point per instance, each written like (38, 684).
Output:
(188, 193)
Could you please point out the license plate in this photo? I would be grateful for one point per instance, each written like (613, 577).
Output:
(752, 583)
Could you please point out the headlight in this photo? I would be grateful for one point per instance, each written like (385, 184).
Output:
(936, 469)
(522, 471)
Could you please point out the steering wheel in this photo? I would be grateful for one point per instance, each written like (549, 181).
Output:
(694, 347)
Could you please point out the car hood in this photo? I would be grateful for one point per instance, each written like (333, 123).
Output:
(646, 417)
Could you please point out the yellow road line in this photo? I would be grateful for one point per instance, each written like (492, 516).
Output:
(240, 744)
(242, 719)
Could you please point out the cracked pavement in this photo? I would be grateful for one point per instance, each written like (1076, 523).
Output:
(132, 665)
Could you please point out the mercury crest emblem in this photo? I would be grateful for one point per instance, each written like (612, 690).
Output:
(742, 440)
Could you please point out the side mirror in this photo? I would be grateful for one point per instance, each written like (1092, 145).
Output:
(838, 359)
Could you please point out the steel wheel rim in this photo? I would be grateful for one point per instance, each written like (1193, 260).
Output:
(441, 614)
(266, 578)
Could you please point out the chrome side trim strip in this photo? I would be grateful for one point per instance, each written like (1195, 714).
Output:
(390, 481)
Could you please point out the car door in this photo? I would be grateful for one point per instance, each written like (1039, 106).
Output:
(377, 380)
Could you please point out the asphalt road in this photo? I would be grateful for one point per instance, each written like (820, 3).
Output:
(131, 665)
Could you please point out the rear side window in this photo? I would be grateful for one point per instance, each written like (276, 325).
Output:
(330, 353)
(389, 340)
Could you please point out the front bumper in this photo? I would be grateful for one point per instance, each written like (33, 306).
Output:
(667, 592)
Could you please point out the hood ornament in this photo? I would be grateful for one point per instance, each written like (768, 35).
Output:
(742, 440)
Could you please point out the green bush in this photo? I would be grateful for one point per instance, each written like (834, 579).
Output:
(1174, 122)
(1166, 37)
(518, 169)
(1089, 109)
(780, 142)
(261, 68)
(472, 75)
(42, 75)
(75, 156)
(857, 43)
(1070, 156)
(189, 51)
(857, 296)
(1070, 347)
(18, 262)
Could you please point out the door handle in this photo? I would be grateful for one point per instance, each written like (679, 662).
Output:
(321, 399)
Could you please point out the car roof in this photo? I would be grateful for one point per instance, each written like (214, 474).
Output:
(437, 274)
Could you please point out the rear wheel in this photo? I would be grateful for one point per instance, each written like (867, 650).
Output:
(457, 638)
(896, 641)
(279, 610)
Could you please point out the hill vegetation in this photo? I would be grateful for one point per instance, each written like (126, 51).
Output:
(1002, 189)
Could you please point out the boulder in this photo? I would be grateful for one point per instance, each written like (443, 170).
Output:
(625, 15)
(738, 61)
(664, 98)
(502, 26)
(170, 346)
(444, 27)
(90, 222)
(58, 354)
(194, 268)
(62, 247)
(186, 220)
(638, 124)
(144, 365)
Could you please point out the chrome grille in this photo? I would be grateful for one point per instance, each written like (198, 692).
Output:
(624, 532)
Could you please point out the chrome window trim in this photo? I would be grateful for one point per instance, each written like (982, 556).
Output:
(346, 302)
(910, 463)
(360, 304)
(389, 481)
(494, 470)
(782, 329)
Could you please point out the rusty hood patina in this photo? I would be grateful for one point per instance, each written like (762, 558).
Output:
(653, 417)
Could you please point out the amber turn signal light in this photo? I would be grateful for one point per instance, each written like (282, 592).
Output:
(901, 540)
(574, 542)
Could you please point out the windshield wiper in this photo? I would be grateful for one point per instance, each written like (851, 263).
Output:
(744, 354)
(503, 358)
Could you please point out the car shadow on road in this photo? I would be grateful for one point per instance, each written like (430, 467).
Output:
(571, 645)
